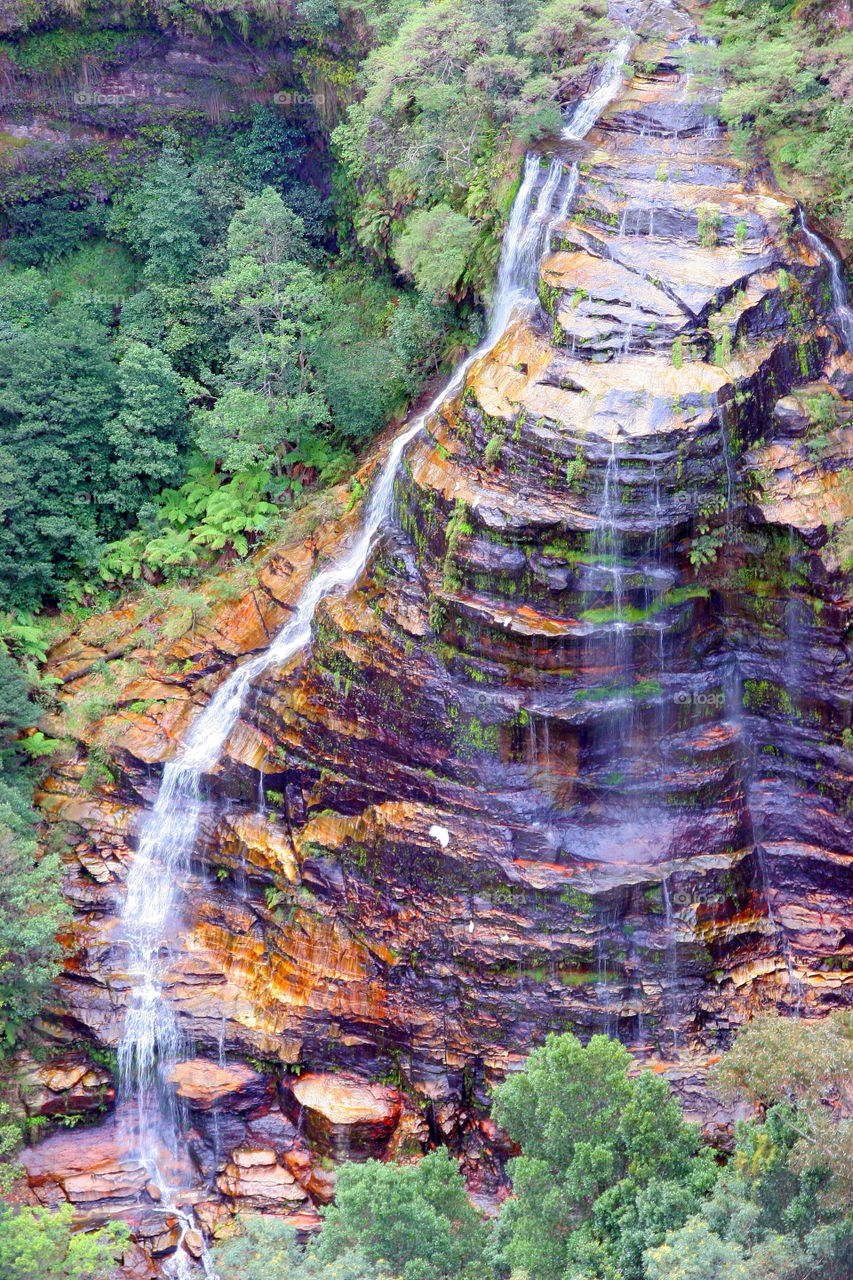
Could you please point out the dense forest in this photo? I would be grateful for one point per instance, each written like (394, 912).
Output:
(207, 314)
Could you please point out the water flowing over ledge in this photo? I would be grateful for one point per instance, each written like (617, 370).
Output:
(151, 1039)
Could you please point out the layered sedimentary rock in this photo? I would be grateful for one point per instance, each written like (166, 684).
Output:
(574, 754)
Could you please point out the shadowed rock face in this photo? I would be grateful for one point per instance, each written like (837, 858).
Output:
(572, 755)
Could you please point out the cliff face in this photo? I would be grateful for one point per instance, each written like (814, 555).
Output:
(574, 754)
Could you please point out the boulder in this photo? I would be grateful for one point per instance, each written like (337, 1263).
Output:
(67, 1085)
(346, 1117)
(193, 1242)
(204, 1085)
(98, 1171)
(254, 1179)
(89, 1167)
(791, 415)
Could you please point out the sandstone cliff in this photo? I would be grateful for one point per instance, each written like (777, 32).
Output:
(574, 754)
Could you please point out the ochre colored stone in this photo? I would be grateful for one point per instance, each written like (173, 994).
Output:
(345, 1116)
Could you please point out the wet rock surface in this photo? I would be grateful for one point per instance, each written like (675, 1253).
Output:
(575, 753)
(345, 1117)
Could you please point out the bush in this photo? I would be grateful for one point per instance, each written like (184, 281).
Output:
(607, 1165)
(43, 231)
(39, 1243)
(787, 69)
(267, 1249)
(413, 1219)
(435, 249)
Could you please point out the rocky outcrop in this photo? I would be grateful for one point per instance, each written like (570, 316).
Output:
(73, 123)
(345, 1117)
(69, 1085)
(574, 754)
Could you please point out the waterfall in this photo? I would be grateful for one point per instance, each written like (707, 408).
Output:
(727, 456)
(607, 86)
(607, 572)
(842, 310)
(537, 219)
(671, 963)
(795, 986)
(151, 1039)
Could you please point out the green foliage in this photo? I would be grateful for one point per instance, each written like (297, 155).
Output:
(40, 1242)
(779, 1061)
(165, 218)
(434, 249)
(273, 399)
(458, 527)
(825, 411)
(492, 451)
(100, 276)
(723, 347)
(787, 69)
(764, 1218)
(272, 154)
(705, 544)
(41, 232)
(11, 1141)
(710, 220)
(210, 513)
(33, 909)
(84, 440)
(60, 52)
(261, 1248)
(427, 149)
(58, 394)
(33, 912)
(149, 433)
(264, 1248)
(417, 334)
(607, 1165)
(413, 1219)
(319, 13)
(576, 469)
(244, 339)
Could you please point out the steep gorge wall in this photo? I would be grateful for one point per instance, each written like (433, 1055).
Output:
(540, 770)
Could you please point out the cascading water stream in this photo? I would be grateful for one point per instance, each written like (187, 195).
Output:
(151, 1039)
(607, 570)
(672, 980)
(609, 83)
(842, 310)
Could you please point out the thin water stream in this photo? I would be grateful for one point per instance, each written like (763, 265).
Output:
(842, 310)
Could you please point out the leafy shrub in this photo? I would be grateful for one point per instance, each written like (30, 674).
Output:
(710, 220)
(42, 232)
(267, 1249)
(413, 1219)
(434, 249)
(787, 72)
(607, 1163)
(40, 1242)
